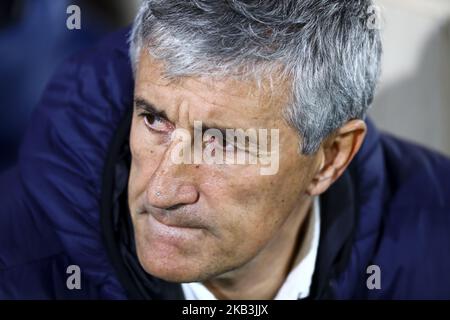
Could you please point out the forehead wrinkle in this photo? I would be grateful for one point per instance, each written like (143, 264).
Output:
(221, 86)
(264, 95)
(197, 93)
(220, 98)
(157, 77)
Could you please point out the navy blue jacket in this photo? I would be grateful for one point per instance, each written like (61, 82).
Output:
(62, 204)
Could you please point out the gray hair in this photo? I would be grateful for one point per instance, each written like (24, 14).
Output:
(324, 47)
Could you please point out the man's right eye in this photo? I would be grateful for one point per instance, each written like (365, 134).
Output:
(156, 123)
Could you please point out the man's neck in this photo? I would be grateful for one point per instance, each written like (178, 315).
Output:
(262, 277)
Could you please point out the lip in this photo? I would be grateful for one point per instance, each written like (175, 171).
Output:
(171, 220)
(169, 232)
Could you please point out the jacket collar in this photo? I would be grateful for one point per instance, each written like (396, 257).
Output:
(338, 220)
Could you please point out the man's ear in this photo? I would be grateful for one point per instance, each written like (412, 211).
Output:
(336, 153)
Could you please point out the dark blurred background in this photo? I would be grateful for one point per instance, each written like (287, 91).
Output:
(34, 40)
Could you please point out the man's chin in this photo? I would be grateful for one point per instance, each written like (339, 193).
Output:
(174, 264)
(170, 268)
(173, 273)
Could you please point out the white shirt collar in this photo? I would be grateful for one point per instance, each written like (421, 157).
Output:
(298, 281)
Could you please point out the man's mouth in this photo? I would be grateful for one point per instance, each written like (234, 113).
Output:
(170, 230)
(175, 219)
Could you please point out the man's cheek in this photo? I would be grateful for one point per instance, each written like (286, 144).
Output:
(144, 159)
(250, 194)
(244, 242)
(137, 149)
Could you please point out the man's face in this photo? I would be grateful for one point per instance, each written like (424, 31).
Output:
(194, 222)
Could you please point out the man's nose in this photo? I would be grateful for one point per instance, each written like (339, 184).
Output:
(171, 185)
